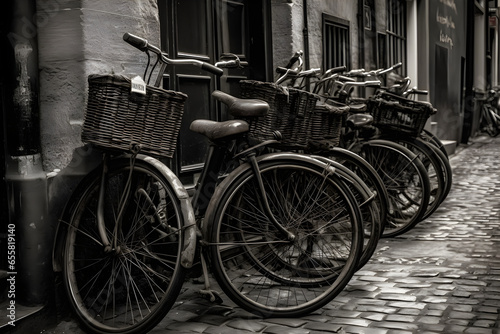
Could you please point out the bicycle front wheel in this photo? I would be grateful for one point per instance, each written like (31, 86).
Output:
(253, 261)
(131, 287)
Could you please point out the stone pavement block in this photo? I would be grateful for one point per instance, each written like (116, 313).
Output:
(419, 306)
(323, 327)
(287, 322)
(343, 314)
(375, 308)
(398, 325)
(397, 297)
(195, 327)
(280, 330)
(478, 330)
(374, 316)
(400, 318)
(224, 330)
(364, 330)
(246, 325)
(350, 321)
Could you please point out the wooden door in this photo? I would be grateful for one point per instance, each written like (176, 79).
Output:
(204, 30)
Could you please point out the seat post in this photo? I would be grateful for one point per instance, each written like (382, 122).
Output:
(207, 182)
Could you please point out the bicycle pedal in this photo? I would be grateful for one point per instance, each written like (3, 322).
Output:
(212, 296)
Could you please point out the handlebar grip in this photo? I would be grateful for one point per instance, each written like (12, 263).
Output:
(212, 69)
(338, 69)
(136, 41)
(420, 91)
(284, 70)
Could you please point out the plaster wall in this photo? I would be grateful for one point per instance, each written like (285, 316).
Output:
(78, 38)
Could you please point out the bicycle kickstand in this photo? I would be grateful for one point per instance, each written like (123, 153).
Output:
(208, 293)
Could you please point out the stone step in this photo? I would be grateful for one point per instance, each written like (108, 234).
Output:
(450, 146)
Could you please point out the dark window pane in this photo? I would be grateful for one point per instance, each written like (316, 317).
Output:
(233, 27)
(197, 106)
(191, 33)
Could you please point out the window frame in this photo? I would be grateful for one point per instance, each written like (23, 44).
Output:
(331, 56)
(396, 34)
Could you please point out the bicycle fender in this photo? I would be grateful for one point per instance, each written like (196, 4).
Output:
(189, 244)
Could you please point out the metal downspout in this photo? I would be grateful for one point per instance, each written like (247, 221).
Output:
(305, 33)
(28, 224)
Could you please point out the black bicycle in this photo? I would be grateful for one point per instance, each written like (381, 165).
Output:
(281, 231)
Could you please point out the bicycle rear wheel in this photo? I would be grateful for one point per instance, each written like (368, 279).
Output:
(406, 181)
(257, 266)
(130, 288)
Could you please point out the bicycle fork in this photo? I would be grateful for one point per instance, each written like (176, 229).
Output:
(267, 209)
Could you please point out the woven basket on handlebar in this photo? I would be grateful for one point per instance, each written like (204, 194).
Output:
(120, 120)
(398, 114)
(290, 112)
(326, 124)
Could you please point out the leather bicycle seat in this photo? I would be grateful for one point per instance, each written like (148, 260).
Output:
(242, 108)
(356, 121)
(218, 130)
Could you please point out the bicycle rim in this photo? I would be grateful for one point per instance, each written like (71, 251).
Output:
(406, 181)
(131, 288)
(262, 271)
(433, 166)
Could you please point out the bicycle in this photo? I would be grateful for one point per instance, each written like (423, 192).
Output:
(280, 231)
(489, 118)
(401, 120)
(406, 208)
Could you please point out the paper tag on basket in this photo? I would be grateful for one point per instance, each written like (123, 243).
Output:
(138, 85)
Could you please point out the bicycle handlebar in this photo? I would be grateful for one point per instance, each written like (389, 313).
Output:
(143, 45)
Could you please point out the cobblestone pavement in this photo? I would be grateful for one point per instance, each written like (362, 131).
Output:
(441, 277)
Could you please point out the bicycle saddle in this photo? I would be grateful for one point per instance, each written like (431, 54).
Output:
(357, 108)
(241, 108)
(359, 120)
(218, 130)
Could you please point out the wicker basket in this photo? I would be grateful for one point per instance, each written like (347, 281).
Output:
(398, 114)
(326, 124)
(120, 120)
(290, 112)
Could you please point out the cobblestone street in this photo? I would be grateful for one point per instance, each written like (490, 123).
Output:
(441, 277)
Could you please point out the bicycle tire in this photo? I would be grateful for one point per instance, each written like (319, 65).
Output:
(254, 265)
(406, 181)
(428, 136)
(130, 289)
(432, 164)
(374, 213)
(447, 171)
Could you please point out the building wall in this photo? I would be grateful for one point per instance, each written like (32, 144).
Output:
(288, 25)
(78, 38)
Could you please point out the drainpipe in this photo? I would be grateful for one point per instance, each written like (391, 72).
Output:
(305, 33)
(361, 34)
(26, 183)
(469, 104)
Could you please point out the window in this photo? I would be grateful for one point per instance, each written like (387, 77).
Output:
(396, 33)
(336, 45)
